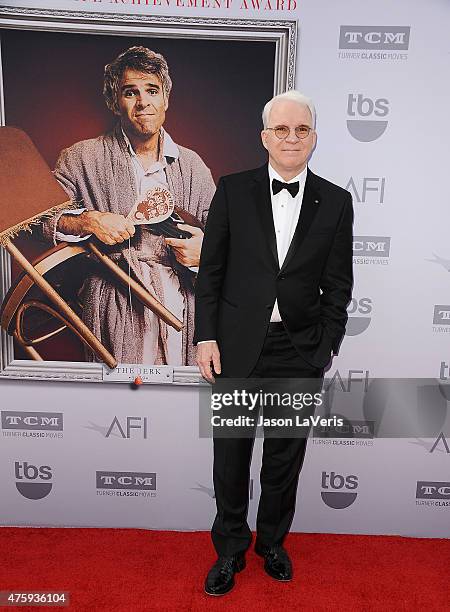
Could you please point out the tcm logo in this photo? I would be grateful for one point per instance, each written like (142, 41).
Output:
(32, 481)
(371, 246)
(137, 424)
(32, 421)
(350, 429)
(366, 129)
(358, 319)
(441, 314)
(367, 190)
(130, 481)
(432, 490)
(387, 38)
(339, 491)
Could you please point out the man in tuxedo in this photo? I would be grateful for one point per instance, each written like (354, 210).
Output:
(274, 282)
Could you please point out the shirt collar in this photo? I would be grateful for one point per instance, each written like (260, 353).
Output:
(301, 178)
(170, 149)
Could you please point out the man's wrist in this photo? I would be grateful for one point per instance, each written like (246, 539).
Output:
(89, 221)
(75, 224)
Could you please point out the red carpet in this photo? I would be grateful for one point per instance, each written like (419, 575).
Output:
(127, 570)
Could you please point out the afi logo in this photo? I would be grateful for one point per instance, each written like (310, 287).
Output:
(136, 423)
(440, 439)
(358, 378)
(209, 491)
(342, 493)
(368, 190)
(441, 261)
(364, 129)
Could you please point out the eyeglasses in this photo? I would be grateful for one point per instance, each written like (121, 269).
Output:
(282, 131)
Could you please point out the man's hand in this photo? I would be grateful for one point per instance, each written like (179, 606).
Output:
(187, 250)
(208, 352)
(107, 227)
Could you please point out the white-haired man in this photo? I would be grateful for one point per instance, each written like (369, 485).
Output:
(274, 282)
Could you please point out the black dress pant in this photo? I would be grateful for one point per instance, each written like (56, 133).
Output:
(281, 463)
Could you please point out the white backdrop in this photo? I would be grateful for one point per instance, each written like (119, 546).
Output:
(378, 74)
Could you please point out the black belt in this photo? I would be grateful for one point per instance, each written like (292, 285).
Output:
(277, 326)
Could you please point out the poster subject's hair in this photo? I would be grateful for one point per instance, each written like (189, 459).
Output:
(293, 95)
(140, 59)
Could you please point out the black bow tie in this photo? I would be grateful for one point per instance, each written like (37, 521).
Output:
(278, 186)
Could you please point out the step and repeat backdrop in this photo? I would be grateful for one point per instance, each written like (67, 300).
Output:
(87, 454)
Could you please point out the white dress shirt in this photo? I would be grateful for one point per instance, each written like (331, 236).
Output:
(285, 211)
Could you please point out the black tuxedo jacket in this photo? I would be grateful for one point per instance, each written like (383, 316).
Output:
(239, 276)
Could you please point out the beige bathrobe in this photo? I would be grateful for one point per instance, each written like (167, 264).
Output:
(97, 174)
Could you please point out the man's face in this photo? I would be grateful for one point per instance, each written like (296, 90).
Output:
(288, 157)
(142, 103)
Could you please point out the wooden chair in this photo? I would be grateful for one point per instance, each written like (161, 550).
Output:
(29, 192)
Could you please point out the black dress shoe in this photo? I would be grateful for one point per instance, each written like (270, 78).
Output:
(220, 578)
(276, 562)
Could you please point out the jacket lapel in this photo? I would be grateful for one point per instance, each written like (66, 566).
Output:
(310, 206)
(261, 191)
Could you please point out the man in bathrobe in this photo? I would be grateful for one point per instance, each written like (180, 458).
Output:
(109, 175)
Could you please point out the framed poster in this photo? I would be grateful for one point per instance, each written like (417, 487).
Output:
(52, 80)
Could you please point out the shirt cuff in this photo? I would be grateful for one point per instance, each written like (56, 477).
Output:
(69, 237)
(204, 341)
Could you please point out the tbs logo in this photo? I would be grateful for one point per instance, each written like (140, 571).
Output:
(365, 128)
(359, 319)
(32, 481)
(343, 490)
